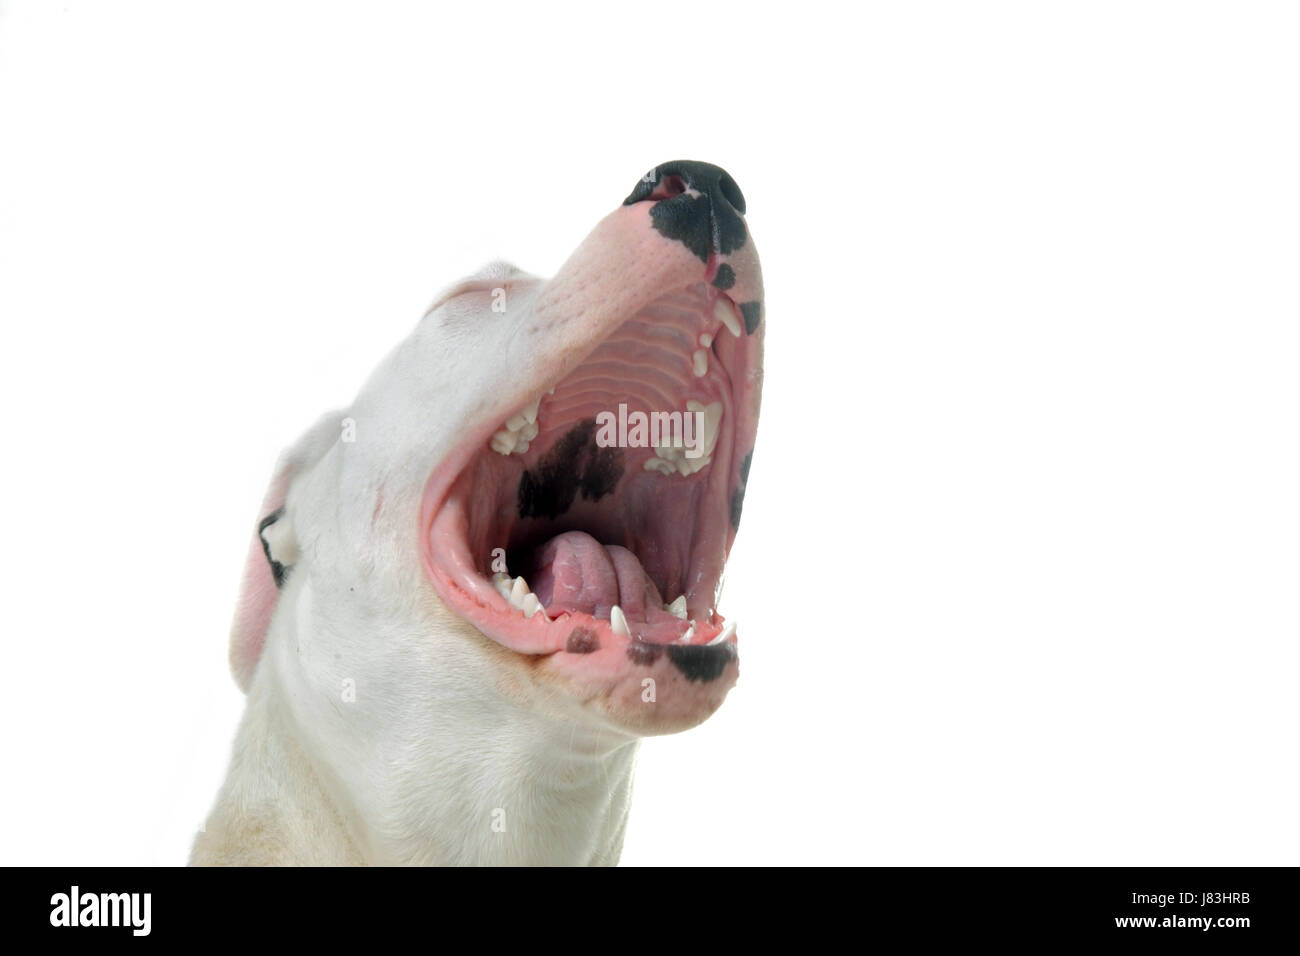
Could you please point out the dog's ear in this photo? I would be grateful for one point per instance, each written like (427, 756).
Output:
(495, 275)
(274, 549)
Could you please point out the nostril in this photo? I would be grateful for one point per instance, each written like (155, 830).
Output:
(705, 208)
(731, 193)
(669, 186)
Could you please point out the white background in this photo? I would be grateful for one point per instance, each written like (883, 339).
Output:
(1017, 581)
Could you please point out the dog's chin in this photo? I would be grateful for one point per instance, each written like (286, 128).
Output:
(663, 694)
(661, 691)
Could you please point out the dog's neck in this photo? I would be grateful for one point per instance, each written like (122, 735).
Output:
(523, 792)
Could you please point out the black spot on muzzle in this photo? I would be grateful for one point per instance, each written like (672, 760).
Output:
(644, 653)
(698, 204)
(582, 640)
(701, 662)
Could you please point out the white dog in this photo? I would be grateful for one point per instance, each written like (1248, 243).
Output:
(465, 603)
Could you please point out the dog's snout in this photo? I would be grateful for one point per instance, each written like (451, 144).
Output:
(684, 175)
(696, 203)
(731, 192)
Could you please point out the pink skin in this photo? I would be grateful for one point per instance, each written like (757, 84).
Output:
(597, 361)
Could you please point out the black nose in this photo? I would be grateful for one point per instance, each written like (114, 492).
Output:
(698, 204)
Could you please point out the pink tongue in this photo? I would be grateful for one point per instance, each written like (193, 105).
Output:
(575, 572)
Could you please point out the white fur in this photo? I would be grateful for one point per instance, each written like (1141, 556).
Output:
(380, 727)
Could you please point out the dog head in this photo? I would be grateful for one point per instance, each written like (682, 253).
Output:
(532, 499)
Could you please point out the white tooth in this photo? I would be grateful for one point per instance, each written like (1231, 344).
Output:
(529, 431)
(712, 419)
(617, 622)
(530, 413)
(516, 423)
(677, 608)
(727, 632)
(700, 363)
(502, 583)
(660, 465)
(531, 604)
(724, 313)
(521, 448)
(503, 442)
(518, 592)
(705, 340)
(686, 638)
(670, 452)
(689, 466)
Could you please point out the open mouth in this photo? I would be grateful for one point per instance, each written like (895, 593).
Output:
(595, 516)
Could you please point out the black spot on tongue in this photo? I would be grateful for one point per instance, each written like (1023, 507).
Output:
(575, 464)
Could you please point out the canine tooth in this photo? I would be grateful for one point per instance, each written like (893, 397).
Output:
(712, 419)
(532, 604)
(700, 363)
(727, 632)
(724, 313)
(519, 592)
(503, 442)
(686, 638)
(530, 413)
(689, 466)
(502, 583)
(705, 340)
(677, 608)
(617, 622)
